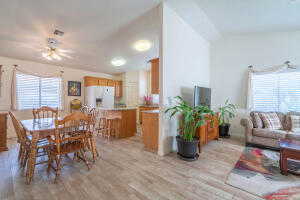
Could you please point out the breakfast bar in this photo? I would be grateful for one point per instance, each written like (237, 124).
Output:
(127, 120)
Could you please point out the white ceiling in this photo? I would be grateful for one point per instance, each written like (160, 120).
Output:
(96, 30)
(252, 16)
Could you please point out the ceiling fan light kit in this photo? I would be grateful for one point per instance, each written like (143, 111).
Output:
(52, 51)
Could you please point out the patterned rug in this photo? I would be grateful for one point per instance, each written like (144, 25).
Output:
(257, 172)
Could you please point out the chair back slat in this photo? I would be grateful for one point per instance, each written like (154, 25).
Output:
(19, 129)
(45, 112)
(74, 127)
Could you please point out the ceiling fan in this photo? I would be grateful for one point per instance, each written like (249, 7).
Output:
(52, 52)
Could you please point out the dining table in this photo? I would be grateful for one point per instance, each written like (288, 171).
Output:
(39, 129)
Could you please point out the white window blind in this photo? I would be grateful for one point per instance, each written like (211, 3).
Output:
(276, 92)
(34, 92)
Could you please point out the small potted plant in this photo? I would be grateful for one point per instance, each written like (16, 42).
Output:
(191, 118)
(148, 99)
(226, 112)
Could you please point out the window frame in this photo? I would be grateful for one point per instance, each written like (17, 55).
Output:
(279, 82)
(61, 92)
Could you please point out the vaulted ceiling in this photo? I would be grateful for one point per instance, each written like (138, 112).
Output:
(95, 31)
(252, 16)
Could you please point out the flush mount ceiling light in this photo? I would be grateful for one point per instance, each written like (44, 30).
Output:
(142, 45)
(117, 62)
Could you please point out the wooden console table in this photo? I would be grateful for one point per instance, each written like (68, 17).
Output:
(3, 132)
(210, 130)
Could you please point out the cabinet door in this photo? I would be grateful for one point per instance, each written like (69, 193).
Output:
(90, 81)
(118, 88)
(155, 76)
(110, 83)
(102, 82)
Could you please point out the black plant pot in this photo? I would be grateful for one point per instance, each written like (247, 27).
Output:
(187, 150)
(224, 130)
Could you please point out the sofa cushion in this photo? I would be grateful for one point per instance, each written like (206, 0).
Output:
(295, 123)
(288, 122)
(271, 121)
(257, 122)
(268, 133)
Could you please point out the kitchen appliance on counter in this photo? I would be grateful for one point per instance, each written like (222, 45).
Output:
(100, 96)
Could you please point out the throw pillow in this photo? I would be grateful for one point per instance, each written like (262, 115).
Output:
(257, 123)
(295, 123)
(271, 121)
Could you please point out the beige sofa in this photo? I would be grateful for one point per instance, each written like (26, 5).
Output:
(257, 135)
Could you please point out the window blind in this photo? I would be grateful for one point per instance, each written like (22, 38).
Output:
(276, 92)
(34, 92)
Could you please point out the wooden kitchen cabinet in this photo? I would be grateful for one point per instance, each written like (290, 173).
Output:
(118, 89)
(3, 132)
(90, 81)
(150, 130)
(155, 76)
(95, 81)
(144, 108)
(110, 83)
(102, 82)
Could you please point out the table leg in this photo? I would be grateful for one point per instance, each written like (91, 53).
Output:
(283, 163)
(32, 158)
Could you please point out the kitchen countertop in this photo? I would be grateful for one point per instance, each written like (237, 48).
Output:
(150, 106)
(117, 108)
(151, 111)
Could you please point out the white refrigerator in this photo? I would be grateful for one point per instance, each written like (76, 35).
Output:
(100, 96)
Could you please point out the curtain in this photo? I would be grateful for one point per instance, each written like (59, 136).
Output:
(251, 72)
(14, 100)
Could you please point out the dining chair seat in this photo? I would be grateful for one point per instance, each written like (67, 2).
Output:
(71, 135)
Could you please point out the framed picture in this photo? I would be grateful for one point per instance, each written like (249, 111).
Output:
(74, 88)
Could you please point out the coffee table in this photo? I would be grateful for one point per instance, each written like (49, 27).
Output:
(289, 149)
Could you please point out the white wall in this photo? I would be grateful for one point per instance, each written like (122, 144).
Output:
(184, 63)
(69, 75)
(231, 56)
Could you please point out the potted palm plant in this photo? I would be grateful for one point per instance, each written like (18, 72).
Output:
(190, 119)
(226, 112)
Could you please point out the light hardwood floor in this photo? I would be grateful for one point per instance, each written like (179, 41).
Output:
(126, 171)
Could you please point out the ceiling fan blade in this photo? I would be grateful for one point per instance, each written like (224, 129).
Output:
(65, 51)
(65, 55)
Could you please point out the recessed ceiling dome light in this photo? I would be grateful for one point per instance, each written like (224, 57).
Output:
(142, 45)
(117, 62)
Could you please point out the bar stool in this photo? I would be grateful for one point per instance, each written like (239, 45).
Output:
(102, 127)
(113, 126)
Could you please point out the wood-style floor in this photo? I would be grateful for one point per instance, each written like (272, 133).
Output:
(126, 171)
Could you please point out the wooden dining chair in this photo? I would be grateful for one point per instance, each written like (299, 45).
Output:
(71, 136)
(45, 112)
(25, 143)
(84, 109)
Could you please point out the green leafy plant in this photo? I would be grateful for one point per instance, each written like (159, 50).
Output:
(227, 112)
(191, 117)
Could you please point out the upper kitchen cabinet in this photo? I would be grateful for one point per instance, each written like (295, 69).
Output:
(90, 81)
(155, 76)
(118, 88)
(102, 82)
(95, 81)
(111, 83)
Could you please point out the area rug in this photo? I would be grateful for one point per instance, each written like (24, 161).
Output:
(257, 172)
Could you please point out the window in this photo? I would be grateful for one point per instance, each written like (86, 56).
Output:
(276, 92)
(34, 92)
